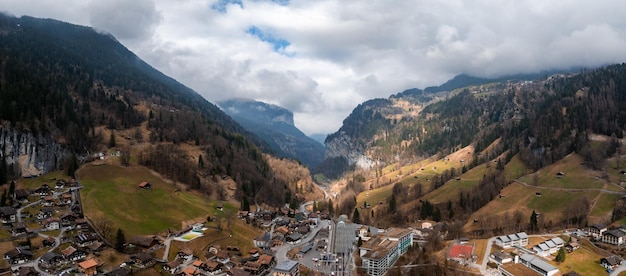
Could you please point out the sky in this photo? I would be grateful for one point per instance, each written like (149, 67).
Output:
(321, 58)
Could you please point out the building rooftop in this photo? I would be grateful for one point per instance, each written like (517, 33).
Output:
(286, 266)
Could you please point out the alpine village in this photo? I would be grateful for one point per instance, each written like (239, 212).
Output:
(109, 167)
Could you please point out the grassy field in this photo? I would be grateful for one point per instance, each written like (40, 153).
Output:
(112, 192)
(584, 261)
(575, 176)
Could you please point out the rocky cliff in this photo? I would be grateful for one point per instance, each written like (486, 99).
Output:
(342, 145)
(30, 154)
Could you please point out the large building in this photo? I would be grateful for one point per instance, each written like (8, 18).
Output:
(382, 250)
(519, 239)
(287, 268)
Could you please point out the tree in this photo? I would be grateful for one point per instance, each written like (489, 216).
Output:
(560, 256)
(72, 165)
(437, 215)
(3, 201)
(356, 218)
(533, 221)
(245, 205)
(392, 204)
(4, 174)
(120, 240)
(331, 210)
(12, 188)
(200, 162)
(112, 142)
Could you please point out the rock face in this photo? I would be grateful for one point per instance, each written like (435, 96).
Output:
(30, 154)
(275, 125)
(343, 146)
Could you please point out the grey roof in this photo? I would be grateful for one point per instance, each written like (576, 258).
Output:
(513, 237)
(543, 246)
(615, 232)
(522, 235)
(344, 237)
(8, 211)
(286, 266)
(504, 238)
(558, 241)
(538, 263)
(550, 243)
(48, 256)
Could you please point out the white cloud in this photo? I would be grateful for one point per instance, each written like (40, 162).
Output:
(342, 53)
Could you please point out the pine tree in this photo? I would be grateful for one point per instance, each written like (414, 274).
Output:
(392, 204)
(3, 200)
(560, 256)
(331, 211)
(120, 240)
(533, 221)
(356, 217)
(200, 162)
(112, 142)
(4, 175)
(245, 205)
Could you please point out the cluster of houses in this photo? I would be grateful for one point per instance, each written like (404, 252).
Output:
(286, 230)
(600, 232)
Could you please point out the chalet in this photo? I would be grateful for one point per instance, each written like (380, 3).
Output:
(611, 262)
(72, 254)
(68, 219)
(199, 264)
(41, 191)
(59, 184)
(145, 185)
(277, 240)
(144, 241)
(142, 259)
(262, 241)
(77, 210)
(52, 223)
(314, 217)
(88, 267)
(20, 195)
(294, 238)
(222, 257)
(254, 268)
(560, 174)
(303, 230)
(44, 213)
(572, 246)
(185, 254)
(597, 230)
(7, 214)
(66, 199)
(48, 242)
(82, 223)
(282, 230)
(85, 240)
(50, 259)
(18, 256)
(118, 272)
(213, 267)
(219, 206)
(26, 271)
(172, 267)
(47, 201)
(18, 229)
(235, 271)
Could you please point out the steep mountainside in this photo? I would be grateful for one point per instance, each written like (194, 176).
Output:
(67, 91)
(275, 126)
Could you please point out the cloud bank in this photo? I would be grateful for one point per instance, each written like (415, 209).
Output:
(320, 59)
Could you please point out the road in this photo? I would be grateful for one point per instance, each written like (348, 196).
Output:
(570, 189)
(281, 251)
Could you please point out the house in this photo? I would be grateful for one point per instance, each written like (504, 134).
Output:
(235, 271)
(84, 240)
(614, 237)
(72, 254)
(597, 230)
(88, 267)
(18, 229)
(44, 213)
(68, 219)
(142, 259)
(47, 201)
(52, 224)
(82, 223)
(508, 241)
(560, 174)
(41, 191)
(66, 199)
(293, 238)
(572, 246)
(611, 262)
(190, 271)
(213, 267)
(261, 241)
(501, 257)
(145, 185)
(97, 246)
(18, 255)
(185, 254)
(363, 231)
(222, 256)
(219, 206)
(549, 247)
(144, 241)
(172, 267)
(199, 264)
(254, 253)
(538, 265)
(20, 195)
(7, 214)
(59, 184)
(286, 268)
(48, 242)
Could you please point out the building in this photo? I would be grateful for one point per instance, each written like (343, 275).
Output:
(88, 267)
(614, 237)
(538, 265)
(611, 262)
(508, 241)
(597, 230)
(549, 247)
(461, 253)
(287, 268)
(501, 257)
(382, 250)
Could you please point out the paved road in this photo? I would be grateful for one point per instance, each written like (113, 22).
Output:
(618, 270)
(281, 251)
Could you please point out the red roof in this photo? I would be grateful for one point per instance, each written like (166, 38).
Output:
(460, 251)
(144, 184)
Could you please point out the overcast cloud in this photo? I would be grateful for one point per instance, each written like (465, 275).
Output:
(322, 58)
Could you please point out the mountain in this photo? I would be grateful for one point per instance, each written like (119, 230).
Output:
(319, 137)
(68, 91)
(275, 126)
